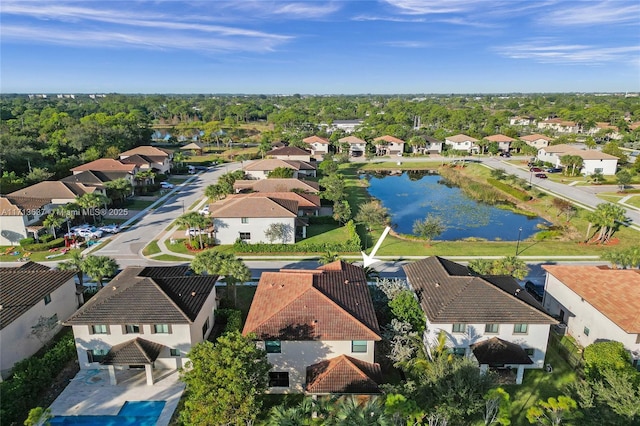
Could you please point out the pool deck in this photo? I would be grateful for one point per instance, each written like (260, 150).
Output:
(90, 394)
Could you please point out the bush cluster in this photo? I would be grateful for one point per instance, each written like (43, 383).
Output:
(322, 220)
(59, 242)
(30, 377)
(231, 318)
(47, 238)
(514, 192)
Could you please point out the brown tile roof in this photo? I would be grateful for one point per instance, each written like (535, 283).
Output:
(288, 150)
(256, 206)
(495, 351)
(316, 139)
(351, 140)
(54, 189)
(138, 160)
(277, 185)
(22, 288)
(499, 138)
(448, 295)
(148, 150)
(343, 374)
(535, 137)
(19, 206)
(388, 138)
(461, 138)
(270, 164)
(105, 165)
(328, 303)
(305, 201)
(193, 146)
(94, 178)
(613, 292)
(135, 351)
(149, 296)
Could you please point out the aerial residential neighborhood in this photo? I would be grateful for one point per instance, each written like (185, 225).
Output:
(320, 213)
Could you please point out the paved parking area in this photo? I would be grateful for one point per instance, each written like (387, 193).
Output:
(90, 394)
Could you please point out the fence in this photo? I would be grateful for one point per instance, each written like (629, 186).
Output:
(568, 350)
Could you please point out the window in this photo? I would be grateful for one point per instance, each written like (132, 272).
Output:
(530, 351)
(97, 355)
(47, 299)
(459, 351)
(359, 346)
(598, 169)
(638, 338)
(491, 328)
(459, 328)
(205, 327)
(273, 346)
(131, 329)
(99, 329)
(520, 328)
(586, 331)
(245, 236)
(161, 328)
(244, 220)
(174, 352)
(279, 379)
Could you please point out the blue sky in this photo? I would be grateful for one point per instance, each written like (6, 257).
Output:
(319, 47)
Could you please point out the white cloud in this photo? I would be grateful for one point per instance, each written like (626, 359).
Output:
(546, 51)
(408, 44)
(590, 13)
(306, 10)
(428, 7)
(386, 18)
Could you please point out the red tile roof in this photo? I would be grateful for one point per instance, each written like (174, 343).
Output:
(105, 165)
(316, 139)
(499, 138)
(304, 201)
(19, 206)
(535, 137)
(277, 185)
(147, 150)
(388, 138)
(255, 206)
(343, 374)
(332, 303)
(613, 292)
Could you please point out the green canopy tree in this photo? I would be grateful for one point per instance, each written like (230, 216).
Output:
(623, 178)
(372, 214)
(342, 211)
(280, 172)
(334, 187)
(429, 228)
(225, 382)
(92, 202)
(217, 263)
(606, 218)
(53, 221)
(553, 411)
(99, 267)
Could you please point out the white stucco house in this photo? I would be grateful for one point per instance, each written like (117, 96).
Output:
(247, 217)
(348, 126)
(260, 169)
(560, 126)
(596, 303)
(21, 217)
(29, 295)
(319, 146)
(504, 142)
(357, 147)
(149, 157)
(536, 140)
(388, 145)
(594, 161)
(490, 318)
(461, 142)
(319, 328)
(522, 121)
(146, 317)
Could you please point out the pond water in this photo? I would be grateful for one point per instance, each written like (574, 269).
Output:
(413, 199)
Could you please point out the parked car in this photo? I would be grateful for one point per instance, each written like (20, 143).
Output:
(535, 169)
(201, 168)
(536, 290)
(505, 154)
(204, 210)
(167, 185)
(89, 233)
(195, 232)
(541, 175)
(554, 170)
(110, 229)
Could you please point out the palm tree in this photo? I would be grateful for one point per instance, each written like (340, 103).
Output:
(216, 263)
(328, 257)
(605, 217)
(120, 187)
(99, 267)
(193, 220)
(53, 221)
(92, 202)
(179, 158)
(68, 212)
(74, 263)
(144, 177)
(349, 411)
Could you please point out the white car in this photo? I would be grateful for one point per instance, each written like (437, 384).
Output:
(110, 229)
(167, 185)
(195, 232)
(204, 211)
(89, 233)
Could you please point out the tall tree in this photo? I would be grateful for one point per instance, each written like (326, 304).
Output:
(342, 211)
(553, 411)
(334, 187)
(218, 263)
(372, 214)
(429, 228)
(92, 202)
(119, 188)
(194, 220)
(74, 263)
(224, 381)
(99, 267)
(53, 221)
(606, 218)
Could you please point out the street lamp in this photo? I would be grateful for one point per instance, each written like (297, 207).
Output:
(182, 206)
(518, 243)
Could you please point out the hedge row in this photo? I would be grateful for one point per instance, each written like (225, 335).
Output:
(322, 220)
(30, 377)
(232, 318)
(515, 192)
(45, 246)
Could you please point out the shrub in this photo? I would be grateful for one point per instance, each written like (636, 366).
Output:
(231, 318)
(46, 238)
(27, 241)
(547, 235)
(45, 246)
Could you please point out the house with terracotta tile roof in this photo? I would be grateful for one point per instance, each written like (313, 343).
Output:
(308, 204)
(276, 185)
(29, 295)
(21, 217)
(593, 161)
(536, 140)
(318, 146)
(290, 153)
(148, 157)
(357, 147)
(596, 303)
(318, 327)
(472, 309)
(503, 141)
(145, 317)
(522, 121)
(260, 169)
(106, 165)
(462, 142)
(388, 145)
(247, 217)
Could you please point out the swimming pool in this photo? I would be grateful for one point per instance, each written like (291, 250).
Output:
(142, 413)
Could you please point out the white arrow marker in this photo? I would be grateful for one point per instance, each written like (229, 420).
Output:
(368, 259)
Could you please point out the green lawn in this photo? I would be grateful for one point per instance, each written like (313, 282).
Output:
(634, 201)
(137, 204)
(319, 234)
(151, 248)
(169, 258)
(611, 197)
(38, 256)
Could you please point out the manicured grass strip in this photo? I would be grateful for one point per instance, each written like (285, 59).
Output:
(137, 204)
(169, 258)
(634, 201)
(151, 248)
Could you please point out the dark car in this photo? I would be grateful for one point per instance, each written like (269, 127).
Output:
(554, 170)
(541, 175)
(536, 290)
(535, 169)
(505, 154)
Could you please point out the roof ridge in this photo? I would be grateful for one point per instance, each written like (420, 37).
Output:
(281, 308)
(164, 293)
(142, 349)
(513, 296)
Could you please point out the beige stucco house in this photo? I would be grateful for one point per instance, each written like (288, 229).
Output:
(290, 153)
(260, 169)
(536, 140)
(461, 142)
(357, 147)
(388, 145)
(319, 146)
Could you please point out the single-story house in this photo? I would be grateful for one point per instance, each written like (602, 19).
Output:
(146, 317)
(471, 310)
(596, 303)
(318, 327)
(195, 147)
(33, 301)
(594, 161)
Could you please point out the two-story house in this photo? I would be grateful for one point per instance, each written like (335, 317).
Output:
(490, 317)
(536, 140)
(145, 317)
(33, 301)
(388, 145)
(308, 204)
(593, 161)
(561, 126)
(158, 159)
(319, 146)
(260, 169)
(461, 142)
(596, 303)
(357, 147)
(503, 141)
(21, 217)
(106, 165)
(319, 328)
(290, 153)
(276, 185)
